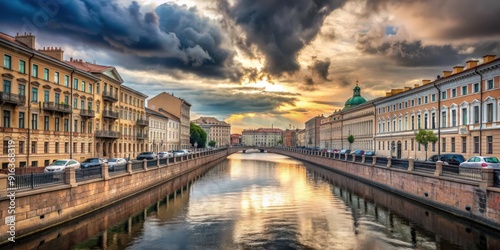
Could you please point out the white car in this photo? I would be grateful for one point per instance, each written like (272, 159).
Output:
(61, 165)
(179, 153)
(116, 162)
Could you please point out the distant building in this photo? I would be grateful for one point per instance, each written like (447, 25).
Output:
(218, 131)
(236, 139)
(177, 107)
(312, 131)
(173, 130)
(290, 137)
(301, 138)
(158, 131)
(268, 137)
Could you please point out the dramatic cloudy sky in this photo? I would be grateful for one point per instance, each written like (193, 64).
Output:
(258, 63)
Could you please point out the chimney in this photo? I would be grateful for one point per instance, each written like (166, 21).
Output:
(458, 69)
(415, 85)
(488, 58)
(56, 53)
(446, 73)
(471, 64)
(407, 88)
(28, 39)
(424, 82)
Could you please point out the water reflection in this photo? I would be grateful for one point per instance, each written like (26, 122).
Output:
(267, 201)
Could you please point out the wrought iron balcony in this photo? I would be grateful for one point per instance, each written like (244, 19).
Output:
(142, 136)
(57, 107)
(107, 134)
(87, 113)
(142, 122)
(6, 97)
(110, 114)
(109, 96)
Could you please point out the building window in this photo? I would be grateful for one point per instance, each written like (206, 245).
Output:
(57, 148)
(35, 71)
(34, 94)
(426, 119)
(56, 77)
(34, 121)
(419, 101)
(464, 116)
(418, 121)
(66, 80)
(489, 112)
(464, 90)
(75, 83)
(82, 126)
(490, 84)
(7, 62)
(46, 125)
(56, 123)
(66, 100)
(464, 144)
(21, 147)
(489, 144)
(443, 119)
(453, 144)
(89, 128)
(66, 125)
(33, 147)
(406, 145)
(21, 90)
(412, 145)
(46, 95)
(454, 93)
(476, 114)
(98, 88)
(75, 126)
(82, 148)
(6, 118)
(66, 147)
(412, 103)
(426, 99)
(453, 118)
(443, 95)
(476, 144)
(90, 147)
(21, 120)
(74, 147)
(82, 104)
(91, 90)
(46, 147)
(433, 147)
(34, 163)
(57, 98)
(418, 147)
(433, 97)
(22, 67)
(45, 74)
(75, 103)
(476, 87)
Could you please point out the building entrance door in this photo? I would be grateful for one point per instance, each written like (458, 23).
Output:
(398, 150)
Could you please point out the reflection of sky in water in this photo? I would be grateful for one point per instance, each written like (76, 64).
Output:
(263, 201)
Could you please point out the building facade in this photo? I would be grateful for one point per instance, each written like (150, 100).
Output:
(301, 138)
(178, 107)
(268, 137)
(461, 107)
(313, 131)
(290, 137)
(236, 139)
(158, 131)
(218, 131)
(47, 106)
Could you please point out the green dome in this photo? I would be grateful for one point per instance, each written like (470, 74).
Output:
(356, 98)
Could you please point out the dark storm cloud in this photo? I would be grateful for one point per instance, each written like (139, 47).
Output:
(321, 69)
(280, 28)
(172, 36)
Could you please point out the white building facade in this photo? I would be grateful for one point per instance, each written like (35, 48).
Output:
(268, 137)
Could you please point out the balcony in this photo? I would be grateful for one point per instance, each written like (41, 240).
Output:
(142, 122)
(110, 114)
(109, 96)
(85, 113)
(107, 134)
(142, 136)
(57, 107)
(9, 98)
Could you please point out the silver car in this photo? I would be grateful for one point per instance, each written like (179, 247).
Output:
(61, 165)
(481, 162)
(116, 162)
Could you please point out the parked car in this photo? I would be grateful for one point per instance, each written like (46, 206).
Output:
(358, 152)
(345, 151)
(61, 165)
(147, 156)
(434, 158)
(179, 153)
(369, 153)
(481, 162)
(164, 154)
(451, 159)
(113, 162)
(104, 160)
(91, 162)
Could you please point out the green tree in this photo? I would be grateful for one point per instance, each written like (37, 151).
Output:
(212, 143)
(198, 135)
(350, 139)
(424, 137)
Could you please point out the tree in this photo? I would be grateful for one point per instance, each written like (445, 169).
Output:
(212, 143)
(350, 139)
(198, 135)
(424, 137)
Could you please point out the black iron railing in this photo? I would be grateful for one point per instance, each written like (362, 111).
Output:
(137, 166)
(151, 163)
(33, 180)
(110, 96)
(358, 158)
(107, 134)
(178, 158)
(424, 166)
(368, 160)
(171, 160)
(110, 114)
(87, 112)
(12, 98)
(381, 161)
(472, 174)
(496, 178)
(399, 163)
(118, 169)
(88, 173)
(163, 161)
(59, 107)
(142, 122)
(349, 157)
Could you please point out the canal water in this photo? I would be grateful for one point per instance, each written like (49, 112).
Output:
(267, 201)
